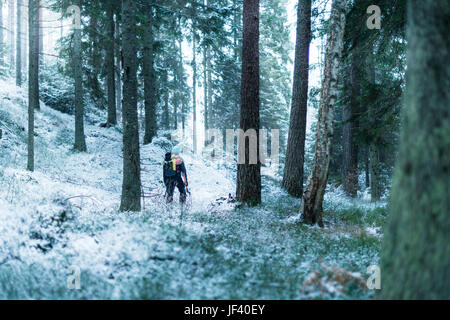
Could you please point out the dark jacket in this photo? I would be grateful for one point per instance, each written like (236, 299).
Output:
(170, 174)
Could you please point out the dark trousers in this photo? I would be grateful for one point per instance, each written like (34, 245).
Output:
(171, 183)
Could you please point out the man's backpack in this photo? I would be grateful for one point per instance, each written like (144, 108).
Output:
(168, 166)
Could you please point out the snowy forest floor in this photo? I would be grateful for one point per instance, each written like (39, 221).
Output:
(65, 215)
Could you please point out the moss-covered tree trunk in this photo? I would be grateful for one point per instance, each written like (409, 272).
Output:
(415, 262)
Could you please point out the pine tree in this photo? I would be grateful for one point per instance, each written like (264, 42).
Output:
(374, 162)
(80, 141)
(293, 170)
(415, 260)
(149, 77)
(11, 16)
(33, 76)
(350, 126)
(194, 89)
(249, 175)
(2, 45)
(131, 186)
(19, 44)
(110, 65)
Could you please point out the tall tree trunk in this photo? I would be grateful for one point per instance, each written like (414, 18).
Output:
(110, 70)
(25, 35)
(295, 154)
(33, 76)
(374, 164)
(206, 65)
(118, 67)
(19, 44)
(366, 166)
(210, 88)
(176, 100)
(350, 127)
(166, 120)
(249, 175)
(194, 91)
(311, 208)
(41, 34)
(80, 141)
(94, 62)
(131, 186)
(149, 79)
(374, 168)
(183, 105)
(415, 258)
(11, 15)
(2, 46)
(205, 91)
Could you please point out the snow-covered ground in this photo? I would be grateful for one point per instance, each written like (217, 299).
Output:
(64, 217)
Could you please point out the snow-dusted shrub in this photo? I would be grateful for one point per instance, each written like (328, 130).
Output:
(56, 90)
(64, 136)
(50, 222)
(163, 143)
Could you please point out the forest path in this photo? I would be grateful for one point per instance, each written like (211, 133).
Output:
(65, 216)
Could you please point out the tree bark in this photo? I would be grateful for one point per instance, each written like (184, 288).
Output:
(118, 67)
(19, 44)
(183, 105)
(11, 16)
(33, 76)
(374, 163)
(311, 207)
(94, 62)
(41, 34)
(131, 186)
(2, 46)
(166, 116)
(194, 91)
(249, 175)
(205, 90)
(206, 83)
(80, 142)
(149, 78)
(295, 154)
(350, 127)
(25, 36)
(366, 166)
(415, 258)
(110, 65)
